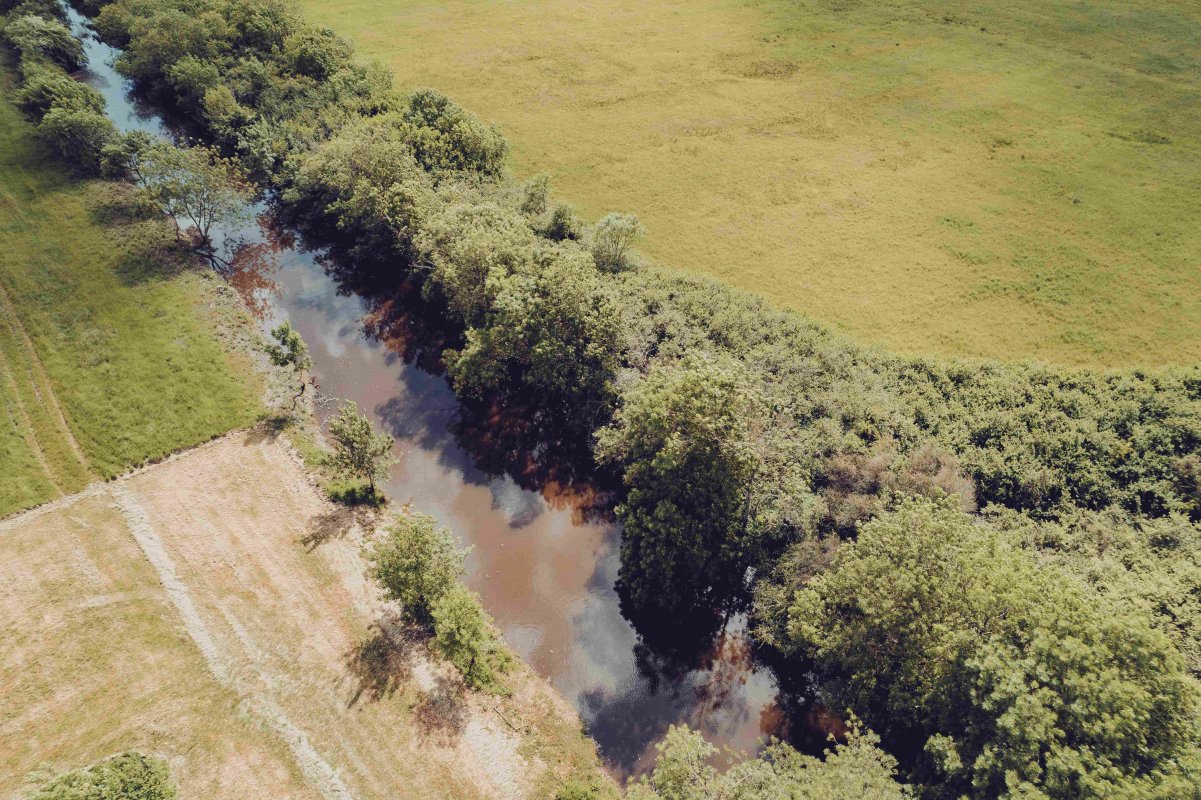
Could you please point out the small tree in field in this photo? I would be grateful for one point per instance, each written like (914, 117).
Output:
(463, 634)
(196, 189)
(612, 238)
(416, 562)
(359, 452)
(289, 351)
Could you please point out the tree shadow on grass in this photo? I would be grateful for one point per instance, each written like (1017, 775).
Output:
(382, 663)
(442, 714)
(333, 524)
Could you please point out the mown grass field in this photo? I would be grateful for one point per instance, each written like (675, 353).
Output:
(1001, 178)
(109, 352)
(247, 623)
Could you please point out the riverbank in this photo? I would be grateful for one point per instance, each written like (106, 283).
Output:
(219, 603)
(211, 608)
(114, 351)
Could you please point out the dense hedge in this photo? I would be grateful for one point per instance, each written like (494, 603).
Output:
(748, 441)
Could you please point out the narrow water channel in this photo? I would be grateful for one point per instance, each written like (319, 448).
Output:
(545, 573)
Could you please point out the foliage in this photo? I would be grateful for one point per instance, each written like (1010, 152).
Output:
(289, 351)
(38, 37)
(471, 249)
(367, 180)
(1152, 565)
(46, 87)
(553, 334)
(464, 635)
(129, 776)
(416, 563)
(612, 238)
(359, 452)
(195, 188)
(78, 136)
(1019, 681)
(445, 137)
(683, 443)
(854, 769)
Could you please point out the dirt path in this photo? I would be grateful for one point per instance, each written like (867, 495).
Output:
(268, 579)
(315, 768)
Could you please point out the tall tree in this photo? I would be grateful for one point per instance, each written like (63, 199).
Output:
(683, 443)
(1012, 677)
(196, 189)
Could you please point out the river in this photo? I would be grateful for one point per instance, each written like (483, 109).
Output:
(545, 571)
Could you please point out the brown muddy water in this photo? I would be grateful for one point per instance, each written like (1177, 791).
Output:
(545, 571)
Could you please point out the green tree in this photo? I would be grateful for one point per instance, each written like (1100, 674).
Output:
(470, 249)
(554, 333)
(1019, 680)
(79, 136)
(444, 136)
(683, 442)
(463, 634)
(196, 189)
(367, 181)
(359, 452)
(290, 352)
(416, 563)
(39, 37)
(854, 770)
(612, 238)
(47, 87)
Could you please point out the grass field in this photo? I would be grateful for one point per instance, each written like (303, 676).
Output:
(213, 610)
(1009, 178)
(109, 353)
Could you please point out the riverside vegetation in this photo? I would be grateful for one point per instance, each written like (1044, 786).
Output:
(994, 566)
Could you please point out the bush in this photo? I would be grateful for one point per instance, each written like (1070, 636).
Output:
(416, 563)
(38, 37)
(129, 776)
(463, 633)
(46, 87)
(78, 136)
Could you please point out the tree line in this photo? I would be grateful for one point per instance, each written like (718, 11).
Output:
(995, 566)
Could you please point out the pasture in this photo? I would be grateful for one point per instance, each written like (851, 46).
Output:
(1009, 179)
(111, 350)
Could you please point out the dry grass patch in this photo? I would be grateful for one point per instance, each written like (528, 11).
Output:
(307, 679)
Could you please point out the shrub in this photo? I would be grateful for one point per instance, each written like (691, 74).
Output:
(464, 635)
(46, 87)
(612, 238)
(38, 37)
(416, 562)
(78, 136)
(129, 776)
